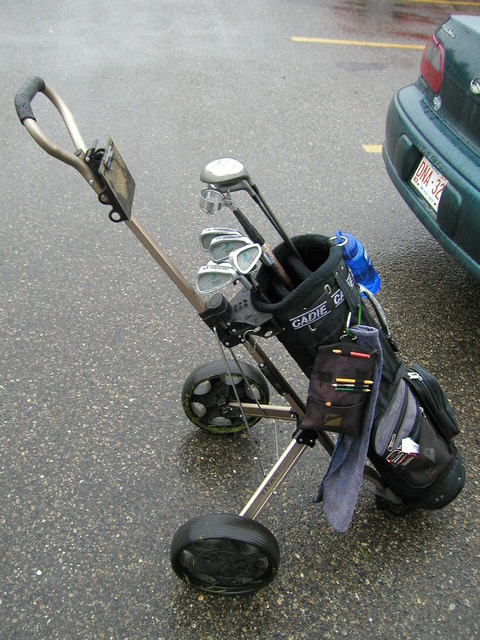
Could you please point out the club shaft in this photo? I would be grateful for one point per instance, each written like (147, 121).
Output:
(262, 203)
(277, 267)
(255, 236)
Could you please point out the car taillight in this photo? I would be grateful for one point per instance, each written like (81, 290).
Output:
(431, 66)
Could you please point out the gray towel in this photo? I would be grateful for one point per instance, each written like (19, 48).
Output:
(341, 483)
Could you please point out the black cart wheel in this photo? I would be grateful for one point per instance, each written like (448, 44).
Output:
(208, 392)
(225, 554)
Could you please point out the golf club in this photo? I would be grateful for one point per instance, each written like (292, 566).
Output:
(245, 259)
(228, 174)
(210, 233)
(212, 200)
(244, 255)
(222, 246)
(213, 277)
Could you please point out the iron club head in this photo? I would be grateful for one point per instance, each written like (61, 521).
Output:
(222, 246)
(213, 277)
(245, 259)
(210, 233)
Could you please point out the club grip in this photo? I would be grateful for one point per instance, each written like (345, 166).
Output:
(25, 95)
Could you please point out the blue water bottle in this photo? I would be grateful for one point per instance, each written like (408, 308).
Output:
(357, 259)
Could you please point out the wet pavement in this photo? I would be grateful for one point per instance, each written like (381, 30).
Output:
(98, 464)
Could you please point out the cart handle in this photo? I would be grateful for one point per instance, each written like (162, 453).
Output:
(78, 160)
(23, 106)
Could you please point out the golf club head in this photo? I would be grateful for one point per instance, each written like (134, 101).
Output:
(227, 174)
(211, 200)
(213, 277)
(222, 246)
(224, 171)
(245, 259)
(208, 234)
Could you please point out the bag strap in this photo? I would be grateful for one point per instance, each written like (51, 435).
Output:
(382, 318)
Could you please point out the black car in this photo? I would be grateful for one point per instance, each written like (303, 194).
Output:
(432, 140)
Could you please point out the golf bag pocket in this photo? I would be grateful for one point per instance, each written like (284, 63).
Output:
(433, 400)
(414, 458)
(340, 382)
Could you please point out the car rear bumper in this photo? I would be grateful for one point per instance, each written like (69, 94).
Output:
(413, 130)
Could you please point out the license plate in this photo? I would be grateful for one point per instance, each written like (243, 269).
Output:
(429, 182)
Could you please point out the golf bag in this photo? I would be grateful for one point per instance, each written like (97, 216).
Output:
(410, 442)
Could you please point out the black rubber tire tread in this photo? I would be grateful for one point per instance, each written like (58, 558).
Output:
(232, 530)
(214, 371)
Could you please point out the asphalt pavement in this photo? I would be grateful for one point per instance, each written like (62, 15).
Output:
(99, 465)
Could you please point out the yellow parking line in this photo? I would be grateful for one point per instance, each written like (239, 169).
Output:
(461, 3)
(372, 148)
(359, 43)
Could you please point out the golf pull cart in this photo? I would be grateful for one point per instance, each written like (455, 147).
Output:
(220, 553)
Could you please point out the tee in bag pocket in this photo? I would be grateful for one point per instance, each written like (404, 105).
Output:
(340, 382)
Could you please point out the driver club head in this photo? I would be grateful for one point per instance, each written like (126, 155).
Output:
(227, 174)
(224, 171)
